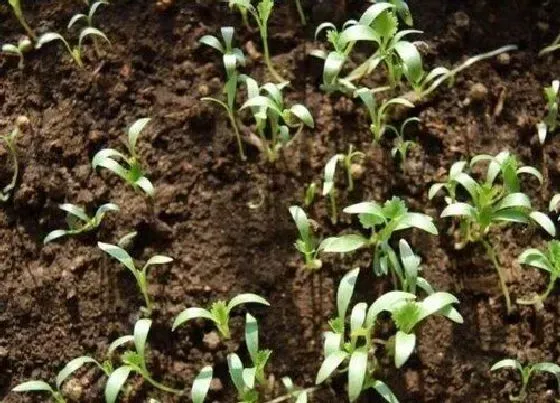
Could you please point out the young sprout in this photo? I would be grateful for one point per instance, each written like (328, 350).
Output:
(219, 312)
(551, 121)
(548, 261)
(309, 195)
(63, 375)
(232, 58)
(526, 372)
(89, 21)
(554, 46)
(261, 14)
(378, 112)
(272, 116)
(133, 174)
(23, 46)
(10, 141)
(382, 221)
(300, 12)
(400, 149)
(411, 268)
(16, 8)
(78, 220)
(491, 203)
(307, 244)
(450, 185)
(133, 362)
(141, 275)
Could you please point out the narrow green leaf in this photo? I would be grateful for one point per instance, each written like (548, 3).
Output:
(236, 371)
(75, 210)
(141, 329)
(329, 365)
(145, 184)
(33, 386)
(358, 32)
(385, 392)
(435, 302)
(252, 336)
(329, 172)
(343, 244)
(535, 258)
(458, 209)
(72, 367)
(118, 253)
(115, 382)
(373, 12)
(303, 114)
(357, 317)
(189, 314)
(51, 236)
(134, 131)
(345, 291)
(75, 18)
(158, 260)
(91, 31)
(531, 171)
(387, 302)
(514, 200)
(411, 59)
(119, 342)
(547, 367)
(508, 363)
(201, 385)
(404, 346)
(49, 37)
(356, 373)
(332, 343)
(545, 222)
(302, 223)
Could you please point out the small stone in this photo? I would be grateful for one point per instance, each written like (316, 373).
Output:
(504, 58)
(212, 341)
(22, 121)
(73, 389)
(478, 92)
(357, 171)
(216, 385)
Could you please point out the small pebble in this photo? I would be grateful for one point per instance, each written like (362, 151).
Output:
(211, 341)
(478, 92)
(504, 58)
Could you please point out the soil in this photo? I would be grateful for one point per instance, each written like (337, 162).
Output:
(226, 222)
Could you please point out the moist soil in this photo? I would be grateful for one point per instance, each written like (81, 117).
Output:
(226, 223)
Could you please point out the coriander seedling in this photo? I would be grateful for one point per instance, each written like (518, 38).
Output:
(401, 8)
(89, 21)
(491, 204)
(10, 141)
(133, 362)
(272, 116)
(526, 372)
(548, 261)
(382, 222)
(63, 375)
(400, 149)
(219, 312)
(141, 275)
(378, 111)
(23, 46)
(78, 220)
(551, 121)
(133, 173)
(18, 12)
(307, 244)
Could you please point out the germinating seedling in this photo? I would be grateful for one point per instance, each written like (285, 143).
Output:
(379, 111)
(551, 120)
(272, 116)
(401, 147)
(219, 312)
(549, 261)
(491, 203)
(10, 142)
(88, 19)
(56, 391)
(141, 275)
(78, 220)
(23, 46)
(232, 58)
(133, 362)
(526, 372)
(382, 222)
(133, 173)
(307, 244)
(18, 12)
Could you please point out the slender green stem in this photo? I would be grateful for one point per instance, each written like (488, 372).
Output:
(492, 255)
(291, 396)
(300, 12)
(159, 385)
(235, 127)
(19, 15)
(269, 65)
(142, 284)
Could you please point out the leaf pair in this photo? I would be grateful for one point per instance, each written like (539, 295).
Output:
(548, 261)
(306, 244)
(22, 47)
(232, 57)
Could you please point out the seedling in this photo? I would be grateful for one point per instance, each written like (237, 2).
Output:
(382, 222)
(133, 361)
(401, 8)
(526, 372)
(310, 192)
(491, 204)
(23, 46)
(400, 149)
(411, 269)
(10, 141)
(133, 174)
(549, 261)
(219, 312)
(551, 120)
(232, 57)
(89, 21)
(75, 51)
(307, 244)
(78, 220)
(18, 12)
(141, 275)
(450, 185)
(554, 46)
(56, 391)
(378, 112)
(261, 14)
(271, 115)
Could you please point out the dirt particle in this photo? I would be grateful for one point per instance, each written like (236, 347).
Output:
(212, 341)
(216, 385)
(504, 59)
(73, 389)
(478, 92)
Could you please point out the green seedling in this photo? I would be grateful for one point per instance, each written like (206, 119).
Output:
(548, 261)
(141, 275)
(219, 312)
(450, 185)
(309, 195)
(23, 46)
(133, 174)
(10, 141)
(89, 21)
(75, 51)
(18, 12)
(382, 222)
(492, 204)
(272, 116)
(400, 149)
(261, 14)
(411, 268)
(133, 362)
(526, 372)
(401, 8)
(78, 220)
(56, 391)
(379, 111)
(232, 58)
(554, 202)
(551, 121)
(307, 244)
(554, 46)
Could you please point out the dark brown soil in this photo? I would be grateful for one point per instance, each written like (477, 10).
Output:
(67, 299)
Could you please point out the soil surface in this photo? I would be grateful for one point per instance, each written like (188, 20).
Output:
(226, 223)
